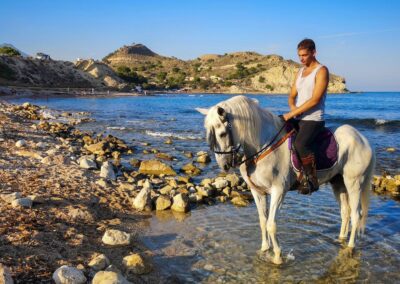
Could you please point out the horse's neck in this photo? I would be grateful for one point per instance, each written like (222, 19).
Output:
(270, 127)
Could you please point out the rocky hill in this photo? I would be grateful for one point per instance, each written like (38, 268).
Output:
(30, 72)
(129, 66)
(238, 72)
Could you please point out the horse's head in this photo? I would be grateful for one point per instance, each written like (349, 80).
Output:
(220, 136)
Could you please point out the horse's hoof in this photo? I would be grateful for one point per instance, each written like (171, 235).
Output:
(264, 248)
(277, 260)
(347, 251)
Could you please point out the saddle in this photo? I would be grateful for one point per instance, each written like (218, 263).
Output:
(325, 149)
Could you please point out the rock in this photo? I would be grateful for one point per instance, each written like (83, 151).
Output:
(98, 148)
(391, 149)
(20, 143)
(184, 180)
(168, 141)
(41, 145)
(206, 181)
(86, 163)
(233, 179)
(5, 275)
(46, 160)
(79, 214)
(99, 262)
(164, 156)
(180, 203)
(163, 202)
(30, 154)
(116, 238)
(219, 184)
(51, 152)
(109, 277)
(188, 154)
(22, 202)
(37, 199)
(166, 189)
(173, 183)
(226, 191)
(206, 192)
(10, 197)
(143, 200)
(239, 201)
(203, 158)
(154, 167)
(102, 182)
(126, 187)
(222, 198)
(191, 169)
(68, 275)
(134, 163)
(107, 171)
(136, 264)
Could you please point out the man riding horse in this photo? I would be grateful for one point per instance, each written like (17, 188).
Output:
(307, 107)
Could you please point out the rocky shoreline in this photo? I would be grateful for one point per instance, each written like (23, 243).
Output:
(68, 206)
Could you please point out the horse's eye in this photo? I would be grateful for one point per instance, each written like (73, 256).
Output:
(222, 135)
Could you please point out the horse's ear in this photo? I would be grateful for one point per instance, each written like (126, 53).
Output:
(203, 111)
(256, 101)
(221, 111)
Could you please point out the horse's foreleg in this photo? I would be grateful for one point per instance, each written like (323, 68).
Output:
(261, 203)
(276, 199)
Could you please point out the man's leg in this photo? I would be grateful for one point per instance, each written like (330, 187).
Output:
(308, 130)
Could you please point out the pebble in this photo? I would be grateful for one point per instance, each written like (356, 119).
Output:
(116, 238)
(20, 143)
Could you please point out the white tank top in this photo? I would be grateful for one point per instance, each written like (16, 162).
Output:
(305, 88)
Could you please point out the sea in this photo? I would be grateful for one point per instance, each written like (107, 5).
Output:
(220, 243)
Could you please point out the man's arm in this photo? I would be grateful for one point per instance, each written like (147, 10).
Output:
(293, 95)
(321, 84)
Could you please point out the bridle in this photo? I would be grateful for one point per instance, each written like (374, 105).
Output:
(258, 155)
(234, 149)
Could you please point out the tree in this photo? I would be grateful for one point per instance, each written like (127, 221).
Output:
(6, 50)
(261, 79)
(161, 76)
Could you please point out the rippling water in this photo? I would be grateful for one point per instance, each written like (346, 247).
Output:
(219, 243)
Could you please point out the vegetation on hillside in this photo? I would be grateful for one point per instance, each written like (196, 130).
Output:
(6, 50)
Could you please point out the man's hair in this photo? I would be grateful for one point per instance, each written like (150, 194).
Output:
(306, 44)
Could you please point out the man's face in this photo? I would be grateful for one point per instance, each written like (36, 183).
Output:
(306, 56)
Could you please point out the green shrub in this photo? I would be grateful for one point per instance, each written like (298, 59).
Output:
(269, 87)
(261, 79)
(6, 50)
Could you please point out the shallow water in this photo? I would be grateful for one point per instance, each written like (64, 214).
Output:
(219, 243)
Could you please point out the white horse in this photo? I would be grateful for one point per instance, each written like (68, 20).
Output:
(241, 121)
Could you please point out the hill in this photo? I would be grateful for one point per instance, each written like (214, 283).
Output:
(238, 72)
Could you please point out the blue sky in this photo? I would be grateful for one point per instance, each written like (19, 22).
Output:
(359, 40)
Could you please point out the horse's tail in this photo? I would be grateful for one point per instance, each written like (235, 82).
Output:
(365, 194)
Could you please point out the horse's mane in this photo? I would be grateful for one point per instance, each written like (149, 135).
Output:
(247, 117)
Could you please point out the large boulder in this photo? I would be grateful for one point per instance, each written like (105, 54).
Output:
(97, 148)
(155, 167)
(68, 275)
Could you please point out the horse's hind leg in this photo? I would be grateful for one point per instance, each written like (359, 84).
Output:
(342, 197)
(276, 200)
(261, 203)
(353, 186)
